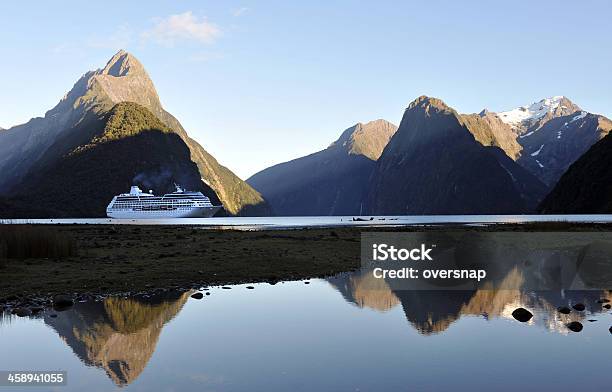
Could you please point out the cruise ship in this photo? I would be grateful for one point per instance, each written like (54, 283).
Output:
(179, 204)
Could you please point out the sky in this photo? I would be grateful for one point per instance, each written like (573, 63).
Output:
(262, 82)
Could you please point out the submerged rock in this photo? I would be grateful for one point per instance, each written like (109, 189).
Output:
(579, 307)
(197, 295)
(564, 310)
(607, 306)
(574, 326)
(610, 330)
(250, 287)
(522, 315)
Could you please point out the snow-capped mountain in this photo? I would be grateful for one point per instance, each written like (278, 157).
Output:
(552, 134)
(552, 148)
(534, 111)
(525, 119)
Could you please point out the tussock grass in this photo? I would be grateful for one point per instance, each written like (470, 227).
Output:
(23, 242)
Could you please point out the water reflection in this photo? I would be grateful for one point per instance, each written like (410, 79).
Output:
(433, 311)
(118, 335)
(267, 326)
(363, 290)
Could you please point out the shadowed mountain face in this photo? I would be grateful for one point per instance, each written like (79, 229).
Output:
(586, 187)
(551, 149)
(434, 165)
(329, 182)
(118, 335)
(127, 146)
(123, 79)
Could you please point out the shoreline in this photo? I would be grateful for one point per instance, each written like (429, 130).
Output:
(136, 259)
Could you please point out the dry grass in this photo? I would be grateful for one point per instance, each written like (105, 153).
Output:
(24, 242)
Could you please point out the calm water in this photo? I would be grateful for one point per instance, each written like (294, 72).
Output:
(339, 334)
(326, 221)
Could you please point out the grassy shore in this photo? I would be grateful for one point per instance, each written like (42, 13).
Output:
(102, 260)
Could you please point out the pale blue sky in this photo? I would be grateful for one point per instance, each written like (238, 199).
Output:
(258, 82)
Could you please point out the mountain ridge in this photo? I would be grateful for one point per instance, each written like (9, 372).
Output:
(434, 165)
(332, 181)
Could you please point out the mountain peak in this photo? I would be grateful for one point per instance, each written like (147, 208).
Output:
(430, 105)
(122, 64)
(124, 79)
(424, 101)
(367, 139)
(545, 108)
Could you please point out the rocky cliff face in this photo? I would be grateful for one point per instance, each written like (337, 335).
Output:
(329, 182)
(123, 79)
(368, 139)
(489, 130)
(434, 165)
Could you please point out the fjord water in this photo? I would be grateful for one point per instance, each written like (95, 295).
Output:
(271, 222)
(339, 334)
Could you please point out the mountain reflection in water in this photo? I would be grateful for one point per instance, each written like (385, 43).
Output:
(118, 335)
(433, 311)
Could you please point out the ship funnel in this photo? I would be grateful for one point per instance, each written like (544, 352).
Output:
(134, 190)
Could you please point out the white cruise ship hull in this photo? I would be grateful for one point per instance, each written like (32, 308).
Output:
(189, 212)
